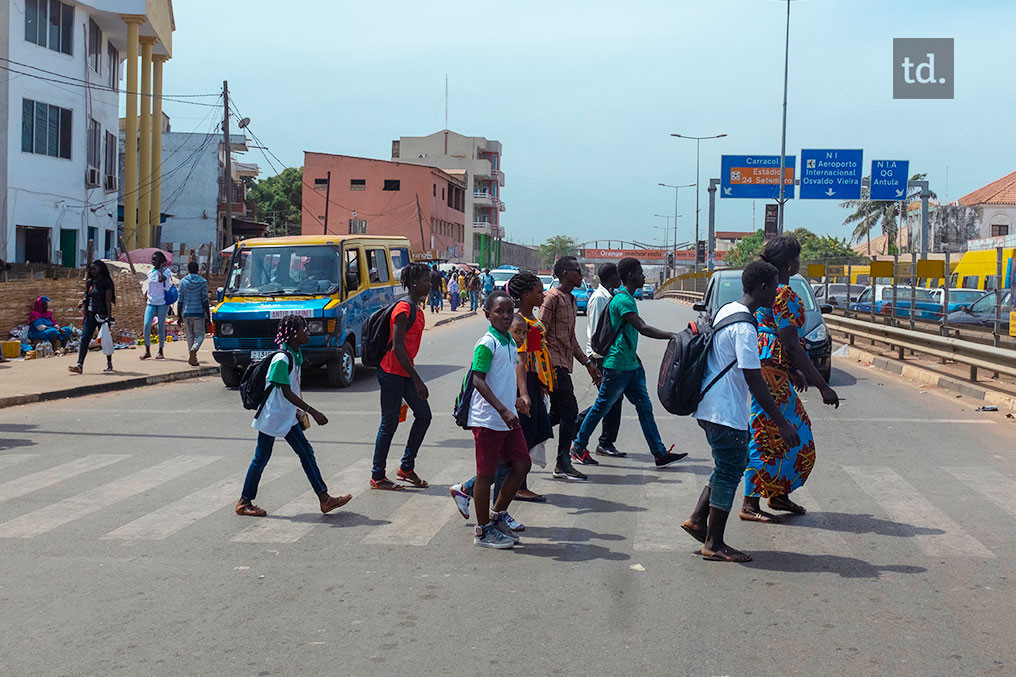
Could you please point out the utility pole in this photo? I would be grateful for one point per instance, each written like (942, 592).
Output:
(419, 218)
(227, 179)
(328, 198)
(783, 137)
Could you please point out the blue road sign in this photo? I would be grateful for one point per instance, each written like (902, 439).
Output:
(833, 174)
(889, 179)
(756, 176)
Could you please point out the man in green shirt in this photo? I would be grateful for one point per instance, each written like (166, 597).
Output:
(623, 374)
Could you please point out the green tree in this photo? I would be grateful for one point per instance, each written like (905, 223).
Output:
(555, 247)
(871, 214)
(813, 248)
(279, 200)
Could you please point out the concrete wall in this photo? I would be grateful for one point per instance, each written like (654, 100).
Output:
(386, 212)
(190, 188)
(520, 255)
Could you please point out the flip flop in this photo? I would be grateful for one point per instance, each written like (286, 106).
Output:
(412, 478)
(698, 534)
(386, 485)
(538, 498)
(758, 516)
(726, 554)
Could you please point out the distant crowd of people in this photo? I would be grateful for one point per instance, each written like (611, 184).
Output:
(520, 386)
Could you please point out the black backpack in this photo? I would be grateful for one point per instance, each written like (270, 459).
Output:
(464, 401)
(253, 389)
(376, 335)
(684, 365)
(604, 334)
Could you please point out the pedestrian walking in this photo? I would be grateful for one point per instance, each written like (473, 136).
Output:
(558, 314)
(453, 293)
(723, 411)
(435, 290)
(284, 414)
(97, 306)
(775, 469)
(623, 374)
(598, 301)
(42, 326)
(474, 291)
(494, 421)
(444, 288)
(194, 310)
(488, 284)
(400, 382)
(159, 282)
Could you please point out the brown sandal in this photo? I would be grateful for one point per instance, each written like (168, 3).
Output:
(333, 502)
(249, 509)
(751, 515)
(411, 477)
(385, 485)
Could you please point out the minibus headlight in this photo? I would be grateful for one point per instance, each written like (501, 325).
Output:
(226, 329)
(316, 326)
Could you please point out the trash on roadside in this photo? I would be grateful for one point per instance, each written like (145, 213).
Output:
(637, 567)
(240, 568)
(1010, 416)
(987, 407)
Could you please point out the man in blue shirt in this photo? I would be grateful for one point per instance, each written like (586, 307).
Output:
(488, 282)
(194, 310)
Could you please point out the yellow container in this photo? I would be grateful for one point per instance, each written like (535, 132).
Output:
(11, 348)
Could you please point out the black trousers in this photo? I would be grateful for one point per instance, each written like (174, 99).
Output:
(564, 410)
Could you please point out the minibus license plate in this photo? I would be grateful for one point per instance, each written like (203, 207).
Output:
(259, 354)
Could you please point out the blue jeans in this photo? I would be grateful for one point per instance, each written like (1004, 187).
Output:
(730, 458)
(53, 334)
(474, 299)
(630, 384)
(435, 300)
(91, 325)
(263, 452)
(150, 313)
(395, 389)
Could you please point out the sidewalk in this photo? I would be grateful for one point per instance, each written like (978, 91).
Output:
(27, 381)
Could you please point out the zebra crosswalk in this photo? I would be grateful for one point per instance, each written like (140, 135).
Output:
(633, 509)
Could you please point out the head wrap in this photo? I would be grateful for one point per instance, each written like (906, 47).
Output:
(38, 312)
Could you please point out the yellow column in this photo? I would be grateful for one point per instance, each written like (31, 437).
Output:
(156, 212)
(130, 169)
(145, 147)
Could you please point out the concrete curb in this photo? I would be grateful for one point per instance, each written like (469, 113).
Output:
(449, 320)
(112, 386)
(1002, 400)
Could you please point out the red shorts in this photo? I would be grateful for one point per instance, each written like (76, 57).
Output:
(506, 445)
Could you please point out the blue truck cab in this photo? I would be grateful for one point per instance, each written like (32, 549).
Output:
(335, 281)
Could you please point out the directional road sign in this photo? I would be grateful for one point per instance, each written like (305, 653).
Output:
(889, 179)
(833, 174)
(756, 176)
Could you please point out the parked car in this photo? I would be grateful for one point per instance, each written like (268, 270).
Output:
(981, 313)
(502, 275)
(725, 286)
(837, 297)
(925, 306)
(547, 280)
(648, 291)
(580, 293)
(957, 297)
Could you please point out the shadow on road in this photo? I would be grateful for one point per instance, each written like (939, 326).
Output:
(584, 505)
(852, 523)
(838, 377)
(365, 380)
(11, 444)
(338, 519)
(573, 545)
(845, 567)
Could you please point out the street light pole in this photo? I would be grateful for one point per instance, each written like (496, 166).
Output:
(783, 137)
(698, 140)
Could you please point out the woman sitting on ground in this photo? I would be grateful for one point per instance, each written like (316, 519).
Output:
(41, 326)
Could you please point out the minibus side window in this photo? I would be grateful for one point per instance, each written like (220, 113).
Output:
(400, 259)
(353, 267)
(377, 264)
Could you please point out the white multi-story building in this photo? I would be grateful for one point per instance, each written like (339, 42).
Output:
(59, 111)
(480, 158)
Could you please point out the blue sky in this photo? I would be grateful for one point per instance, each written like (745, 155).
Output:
(584, 95)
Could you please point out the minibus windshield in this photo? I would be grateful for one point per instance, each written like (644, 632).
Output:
(281, 271)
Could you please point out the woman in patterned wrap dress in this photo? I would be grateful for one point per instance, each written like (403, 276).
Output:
(774, 470)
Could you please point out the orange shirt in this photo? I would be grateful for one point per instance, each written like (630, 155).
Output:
(414, 334)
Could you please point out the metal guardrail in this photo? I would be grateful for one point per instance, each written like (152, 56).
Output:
(975, 355)
(682, 296)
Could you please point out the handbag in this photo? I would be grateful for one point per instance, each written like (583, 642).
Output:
(106, 339)
(172, 294)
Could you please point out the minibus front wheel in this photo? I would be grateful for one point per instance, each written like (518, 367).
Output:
(342, 368)
(230, 376)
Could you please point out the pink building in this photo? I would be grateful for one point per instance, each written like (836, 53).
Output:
(379, 197)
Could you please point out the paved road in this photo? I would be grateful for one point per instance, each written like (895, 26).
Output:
(120, 553)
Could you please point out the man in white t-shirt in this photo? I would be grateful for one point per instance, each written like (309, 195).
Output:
(723, 411)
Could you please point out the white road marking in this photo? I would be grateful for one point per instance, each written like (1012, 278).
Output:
(8, 460)
(994, 486)
(808, 534)
(47, 478)
(420, 518)
(65, 511)
(667, 503)
(279, 527)
(904, 503)
(174, 516)
(837, 419)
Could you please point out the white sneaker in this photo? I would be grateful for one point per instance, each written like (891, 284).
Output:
(461, 499)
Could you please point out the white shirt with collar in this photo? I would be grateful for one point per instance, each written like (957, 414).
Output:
(598, 302)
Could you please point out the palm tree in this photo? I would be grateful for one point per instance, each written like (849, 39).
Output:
(555, 247)
(869, 214)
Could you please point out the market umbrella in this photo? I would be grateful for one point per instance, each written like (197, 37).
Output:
(145, 255)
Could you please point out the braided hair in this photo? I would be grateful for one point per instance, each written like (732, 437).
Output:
(521, 283)
(288, 327)
(412, 273)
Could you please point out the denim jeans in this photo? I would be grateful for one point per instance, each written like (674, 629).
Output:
(435, 300)
(730, 458)
(395, 389)
(263, 453)
(474, 299)
(630, 384)
(87, 332)
(150, 313)
(564, 410)
(611, 423)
